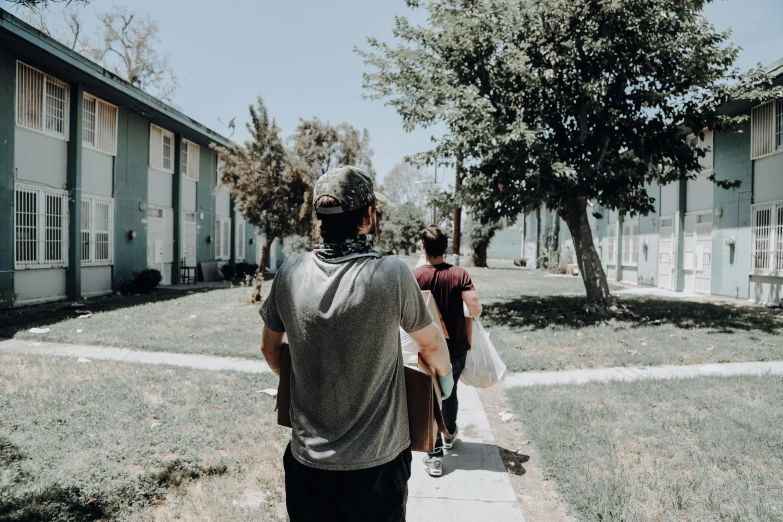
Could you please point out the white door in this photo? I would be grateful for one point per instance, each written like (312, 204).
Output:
(689, 253)
(703, 255)
(189, 238)
(259, 248)
(666, 253)
(155, 240)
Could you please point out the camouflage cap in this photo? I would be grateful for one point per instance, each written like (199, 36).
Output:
(350, 186)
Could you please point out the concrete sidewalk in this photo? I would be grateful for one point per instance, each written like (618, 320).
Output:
(475, 484)
(634, 374)
(202, 362)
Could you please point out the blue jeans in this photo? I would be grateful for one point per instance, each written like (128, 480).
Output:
(451, 405)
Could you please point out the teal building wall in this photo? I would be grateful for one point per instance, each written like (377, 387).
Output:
(731, 266)
(7, 87)
(205, 205)
(130, 171)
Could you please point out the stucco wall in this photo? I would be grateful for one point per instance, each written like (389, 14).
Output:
(40, 158)
(731, 266)
(205, 215)
(7, 115)
(160, 188)
(507, 243)
(96, 280)
(699, 195)
(39, 284)
(768, 179)
(97, 173)
(223, 203)
(189, 188)
(130, 190)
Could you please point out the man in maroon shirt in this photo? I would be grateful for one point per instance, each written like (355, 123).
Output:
(451, 286)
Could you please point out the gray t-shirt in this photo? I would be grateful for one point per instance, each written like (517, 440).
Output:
(348, 404)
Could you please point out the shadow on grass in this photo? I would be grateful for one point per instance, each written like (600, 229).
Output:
(14, 320)
(53, 501)
(568, 311)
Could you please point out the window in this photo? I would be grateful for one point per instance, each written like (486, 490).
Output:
(223, 238)
(100, 125)
(190, 160)
(767, 239)
(611, 240)
(41, 102)
(630, 243)
(40, 223)
(161, 149)
(97, 230)
(240, 240)
(767, 129)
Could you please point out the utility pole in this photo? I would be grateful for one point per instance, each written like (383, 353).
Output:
(457, 216)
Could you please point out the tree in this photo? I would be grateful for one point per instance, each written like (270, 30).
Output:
(401, 227)
(125, 44)
(405, 184)
(317, 146)
(38, 4)
(264, 187)
(564, 103)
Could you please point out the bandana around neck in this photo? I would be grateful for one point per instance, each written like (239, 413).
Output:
(350, 248)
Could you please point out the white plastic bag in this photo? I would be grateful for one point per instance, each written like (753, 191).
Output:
(483, 367)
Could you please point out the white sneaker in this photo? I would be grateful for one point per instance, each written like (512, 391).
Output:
(433, 465)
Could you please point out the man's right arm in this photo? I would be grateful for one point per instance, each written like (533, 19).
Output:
(433, 348)
(472, 302)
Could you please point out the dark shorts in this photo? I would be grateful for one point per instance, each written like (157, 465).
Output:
(378, 494)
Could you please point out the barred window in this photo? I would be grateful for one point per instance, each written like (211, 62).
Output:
(630, 243)
(100, 125)
(767, 239)
(97, 230)
(40, 227)
(611, 240)
(161, 149)
(240, 240)
(190, 160)
(223, 238)
(42, 101)
(767, 129)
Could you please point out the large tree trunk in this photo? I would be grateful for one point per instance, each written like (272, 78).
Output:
(575, 216)
(256, 297)
(480, 246)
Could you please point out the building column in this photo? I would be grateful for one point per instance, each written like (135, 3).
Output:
(73, 276)
(679, 234)
(233, 245)
(177, 204)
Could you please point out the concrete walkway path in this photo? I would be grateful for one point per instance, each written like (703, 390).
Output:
(634, 374)
(474, 486)
(202, 362)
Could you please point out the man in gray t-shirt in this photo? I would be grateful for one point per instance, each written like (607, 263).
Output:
(341, 307)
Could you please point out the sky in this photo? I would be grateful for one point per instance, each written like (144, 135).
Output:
(298, 55)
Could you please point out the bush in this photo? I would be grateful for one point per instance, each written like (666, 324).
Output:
(520, 261)
(229, 271)
(146, 280)
(244, 269)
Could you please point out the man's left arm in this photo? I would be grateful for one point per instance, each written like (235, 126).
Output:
(271, 347)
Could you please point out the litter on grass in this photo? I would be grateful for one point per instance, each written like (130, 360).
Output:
(506, 416)
(269, 391)
(39, 330)
(79, 330)
(83, 360)
(192, 317)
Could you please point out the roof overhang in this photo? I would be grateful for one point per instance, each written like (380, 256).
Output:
(41, 51)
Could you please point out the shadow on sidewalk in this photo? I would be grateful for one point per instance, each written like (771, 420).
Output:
(474, 456)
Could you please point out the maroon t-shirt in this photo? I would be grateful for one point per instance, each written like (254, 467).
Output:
(447, 282)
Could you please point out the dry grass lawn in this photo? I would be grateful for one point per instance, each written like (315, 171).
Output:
(115, 441)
